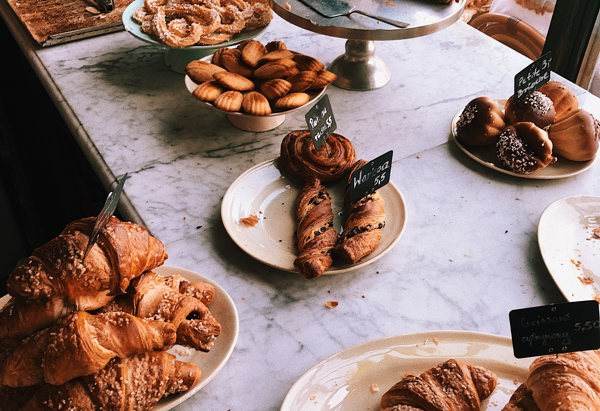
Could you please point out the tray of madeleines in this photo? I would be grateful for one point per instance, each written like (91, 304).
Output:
(257, 84)
(542, 135)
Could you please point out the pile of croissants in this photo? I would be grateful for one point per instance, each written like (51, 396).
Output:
(555, 382)
(93, 333)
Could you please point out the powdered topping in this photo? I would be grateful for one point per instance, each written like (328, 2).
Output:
(467, 116)
(537, 102)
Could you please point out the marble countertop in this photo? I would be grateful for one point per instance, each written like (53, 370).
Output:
(469, 252)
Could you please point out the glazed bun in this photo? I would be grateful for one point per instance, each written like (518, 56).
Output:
(534, 107)
(524, 148)
(480, 122)
(576, 137)
(564, 100)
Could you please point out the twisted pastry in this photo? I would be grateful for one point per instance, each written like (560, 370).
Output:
(563, 382)
(137, 382)
(172, 299)
(450, 386)
(364, 222)
(20, 318)
(81, 344)
(123, 251)
(315, 235)
(301, 161)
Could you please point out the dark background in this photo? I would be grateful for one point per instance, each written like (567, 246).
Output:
(45, 181)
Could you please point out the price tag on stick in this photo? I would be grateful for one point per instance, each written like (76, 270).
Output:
(320, 121)
(533, 76)
(555, 328)
(373, 175)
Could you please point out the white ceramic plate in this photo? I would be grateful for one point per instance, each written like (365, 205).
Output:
(264, 192)
(223, 308)
(568, 247)
(348, 380)
(487, 156)
(250, 122)
(136, 30)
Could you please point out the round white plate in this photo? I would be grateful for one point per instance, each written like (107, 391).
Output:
(356, 378)
(251, 122)
(136, 30)
(223, 308)
(264, 192)
(568, 247)
(487, 156)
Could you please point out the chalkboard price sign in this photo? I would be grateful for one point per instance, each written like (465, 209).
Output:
(373, 175)
(555, 328)
(320, 121)
(533, 76)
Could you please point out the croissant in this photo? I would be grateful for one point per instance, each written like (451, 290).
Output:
(81, 344)
(20, 318)
(450, 386)
(315, 235)
(363, 224)
(137, 382)
(300, 161)
(160, 297)
(123, 251)
(569, 381)
(521, 400)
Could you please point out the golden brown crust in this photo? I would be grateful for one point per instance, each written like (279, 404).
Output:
(123, 251)
(564, 100)
(569, 381)
(449, 386)
(315, 235)
(201, 71)
(363, 224)
(480, 123)
(534, 107)
(524, 148)
(300, 160)
(575, 137)
(20, 318)
(521, 400)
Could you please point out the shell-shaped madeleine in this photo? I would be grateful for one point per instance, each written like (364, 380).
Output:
(231, 59)
(323, 79)
(252, 52)
(275, 88)
(304, 62)
(233, 81)
(230, 100)
(275, 69)
(216, 57)
(208, 91)
(275, 45)
(302, 80)
(256, 104)
(276, 55)
(201, 71)
(292, 100)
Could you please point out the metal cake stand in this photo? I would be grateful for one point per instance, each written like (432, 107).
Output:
(359, 68)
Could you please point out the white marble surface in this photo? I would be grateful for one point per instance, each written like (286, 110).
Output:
(468, 255)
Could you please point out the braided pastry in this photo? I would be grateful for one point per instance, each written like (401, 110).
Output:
(364, 222)
(315, 235)
(300, 160)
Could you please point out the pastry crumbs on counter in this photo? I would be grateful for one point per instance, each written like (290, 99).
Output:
(331, 304)
(596, 233)
(288, 7)
(586, 280)
(374, 388)
(436, 341)
(576, 263)
(249, 221)
(313, 397)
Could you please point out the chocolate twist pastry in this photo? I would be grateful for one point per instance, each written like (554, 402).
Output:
(364, 222)
(315, 235)
(450, 386)
(300, 160)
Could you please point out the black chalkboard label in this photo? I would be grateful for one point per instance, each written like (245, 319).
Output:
(533, 76)
(370, 177)
(320, 121)
(555, 328)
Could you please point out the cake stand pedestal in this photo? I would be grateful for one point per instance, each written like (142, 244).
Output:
(359, 68)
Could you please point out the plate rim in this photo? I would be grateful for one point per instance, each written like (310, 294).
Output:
(390, 341)
(585, 165)
(128, 24)
(341, 270)
(542, 222)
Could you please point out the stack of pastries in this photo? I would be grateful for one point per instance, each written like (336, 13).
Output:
(531, 132)
(94, 333)
(318, 243)
(258, 79)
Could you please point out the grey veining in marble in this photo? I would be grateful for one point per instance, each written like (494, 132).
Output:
(468, 255)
